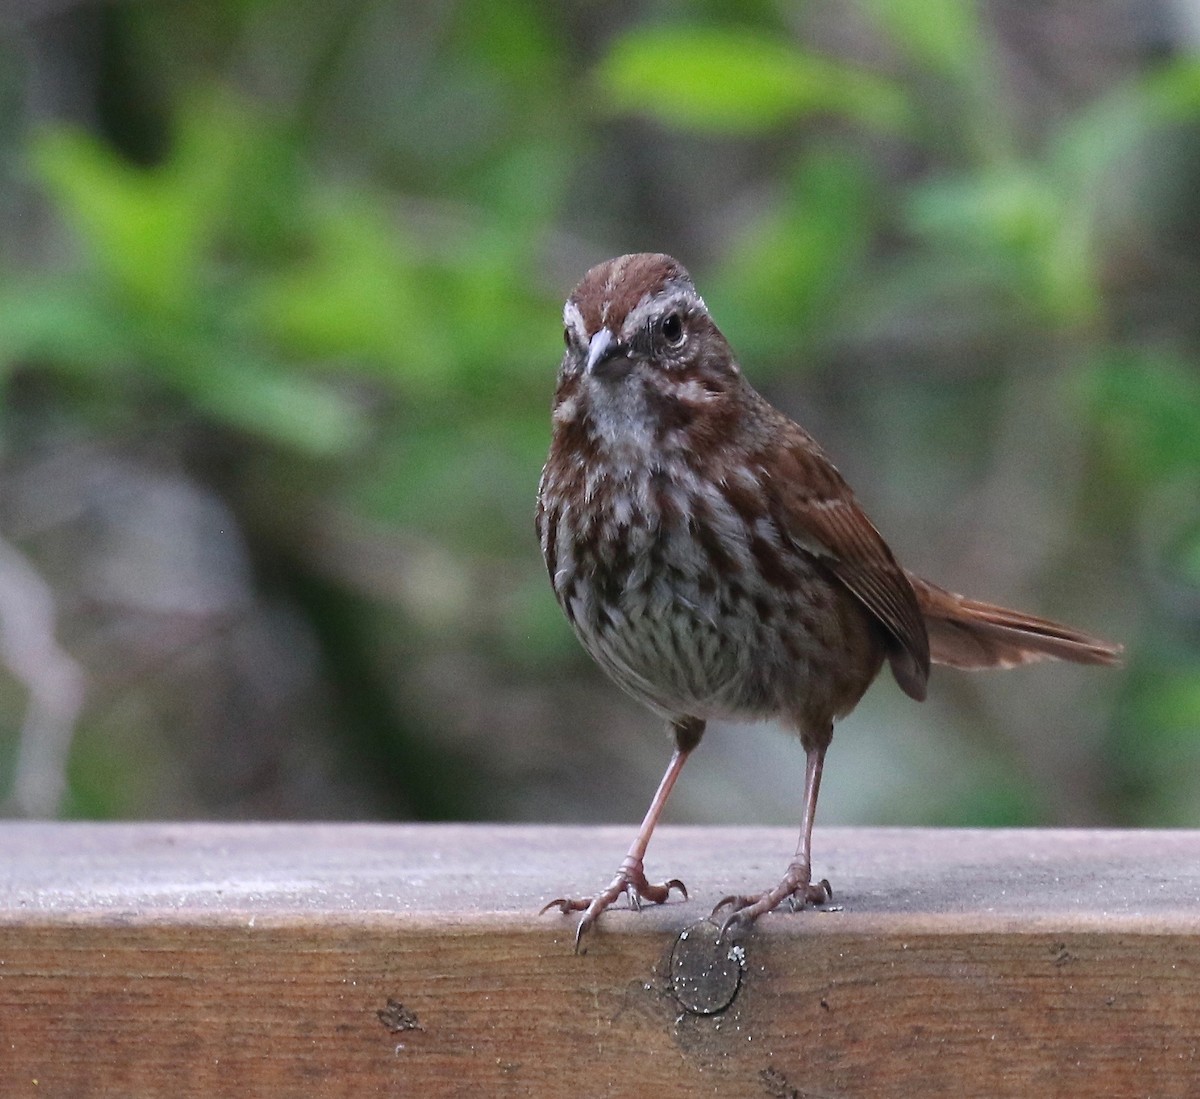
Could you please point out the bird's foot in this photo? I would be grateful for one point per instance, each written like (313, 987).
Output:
(797, 888)
(631, 881)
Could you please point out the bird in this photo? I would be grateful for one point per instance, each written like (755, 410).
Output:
(716, 565)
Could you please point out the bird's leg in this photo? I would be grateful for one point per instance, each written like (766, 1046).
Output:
(631, 876)
(797, 886)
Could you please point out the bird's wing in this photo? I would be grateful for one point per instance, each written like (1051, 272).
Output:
(820, 514)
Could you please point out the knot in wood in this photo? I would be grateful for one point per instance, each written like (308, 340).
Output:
(706, 970)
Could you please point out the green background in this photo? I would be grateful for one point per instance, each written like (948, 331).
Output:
(280, 291)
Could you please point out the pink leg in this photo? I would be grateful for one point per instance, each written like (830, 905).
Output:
(796, 886)
(631, 877)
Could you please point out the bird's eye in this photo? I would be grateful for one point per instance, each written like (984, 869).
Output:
(567, 336)
(672, 329)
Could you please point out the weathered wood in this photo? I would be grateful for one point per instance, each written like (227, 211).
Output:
(243, 960)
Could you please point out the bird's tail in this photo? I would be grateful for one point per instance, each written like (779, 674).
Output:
(965, 633)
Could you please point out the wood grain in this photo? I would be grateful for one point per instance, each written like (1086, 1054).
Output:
(322, 960)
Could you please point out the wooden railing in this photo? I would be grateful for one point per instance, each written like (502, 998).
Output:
(361, 960)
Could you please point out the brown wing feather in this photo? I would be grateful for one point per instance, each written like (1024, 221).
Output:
(823, 516)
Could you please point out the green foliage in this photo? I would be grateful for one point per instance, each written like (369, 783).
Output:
(225, 274)
(940, 36)
(166, 250)
(359, 285)
(781, 285)
(1148, 405)
(1012, 238)
(737, 80)
(1156, 752)
(1014, 225)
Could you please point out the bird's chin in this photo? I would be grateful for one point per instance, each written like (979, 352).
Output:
(611, 371)
(618, 413)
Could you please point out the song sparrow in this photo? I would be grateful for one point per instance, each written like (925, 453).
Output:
(716, 565)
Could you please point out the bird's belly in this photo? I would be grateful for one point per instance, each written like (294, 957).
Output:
(684, 642)
(678, 660)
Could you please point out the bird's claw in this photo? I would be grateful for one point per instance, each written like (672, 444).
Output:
(565, 905)
(748, 907)
(631, 881)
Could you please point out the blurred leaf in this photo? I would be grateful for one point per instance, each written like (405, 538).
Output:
(738, 81)
(356, 296)
(141, 231)
(779, 289)
(108, 775)
(1173, 707)
(61, 325)
(241, 173)
(422, 320)
(515, 38)
(533, 631)
(1034, 225)
(352, 273)
(1019, 224)
(942, 35)
(470, 485)
(505, 186)
(1000, 800)
(1149, 406)
(255, 395)
(1188, 559)
(1156, 745)
(153, 230)
(1092, 141)
(1173, 90)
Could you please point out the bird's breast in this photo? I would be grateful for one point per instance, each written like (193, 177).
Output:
(691, 604)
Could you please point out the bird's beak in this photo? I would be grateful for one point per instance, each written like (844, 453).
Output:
(604, 358)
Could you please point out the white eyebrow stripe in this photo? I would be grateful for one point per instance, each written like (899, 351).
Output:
(684, 297)
(573, 319)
